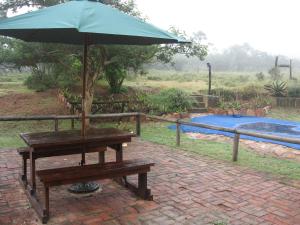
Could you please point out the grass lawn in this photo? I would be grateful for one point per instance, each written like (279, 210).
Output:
(160, 134)
(194, 82)
(14, 83)
(285, 114)
(157, 133)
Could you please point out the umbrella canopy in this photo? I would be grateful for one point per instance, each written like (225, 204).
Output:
(69, 22)
(84, 22)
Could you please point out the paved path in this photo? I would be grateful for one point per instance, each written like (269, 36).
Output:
(187, 188)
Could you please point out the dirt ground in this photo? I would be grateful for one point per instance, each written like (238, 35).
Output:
(37, 103)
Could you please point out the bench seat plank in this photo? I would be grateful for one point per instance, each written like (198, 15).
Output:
(85, 173)
(69, 175)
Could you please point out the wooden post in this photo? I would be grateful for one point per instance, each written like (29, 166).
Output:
(178, 133)
(32, 173)
(119, 153)
(56, 125)
(101, 157)
(84, 84)
(142, 185)
(235, 152)
(46, 190)
(209, 78)
(72, 120)
(276, 61)
(291, 69)
(138, 125)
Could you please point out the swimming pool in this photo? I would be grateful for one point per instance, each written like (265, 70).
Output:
(263, 125)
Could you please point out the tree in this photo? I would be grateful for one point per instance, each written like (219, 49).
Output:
(275, 73)
(101, 57)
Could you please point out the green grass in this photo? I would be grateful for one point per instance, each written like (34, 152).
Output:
(10, 131)
(13, 83)
(193, 82)
(158, 133)
(285, 114)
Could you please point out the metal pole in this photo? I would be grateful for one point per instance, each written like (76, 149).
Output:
(84, 84)
(209, 78)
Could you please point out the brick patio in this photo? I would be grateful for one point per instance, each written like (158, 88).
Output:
(187, 188)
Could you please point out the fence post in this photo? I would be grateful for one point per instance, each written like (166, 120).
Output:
(56, 125)
(72, 120)
(138, 124)
(235, 152)
(177, 133)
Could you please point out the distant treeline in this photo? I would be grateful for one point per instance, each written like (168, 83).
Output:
(236, 58)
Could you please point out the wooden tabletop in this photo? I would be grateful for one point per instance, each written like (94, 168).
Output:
(72, 137)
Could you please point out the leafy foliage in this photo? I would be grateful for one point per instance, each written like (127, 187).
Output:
(294, 91)
(41, 79)
(115, 75)
(170, 101)
(196, 49)
(275, 73)
(102, 59)
(277, 88)
(260, 76)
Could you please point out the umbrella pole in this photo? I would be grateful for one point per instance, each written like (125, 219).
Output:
(85, 187)
(84, 84)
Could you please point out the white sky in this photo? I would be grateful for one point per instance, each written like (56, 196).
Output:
(227, 22)
(267, 25)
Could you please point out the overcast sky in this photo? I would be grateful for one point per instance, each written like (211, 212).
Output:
(268, 25)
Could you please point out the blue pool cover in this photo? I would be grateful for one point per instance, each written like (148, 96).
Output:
(263, 125)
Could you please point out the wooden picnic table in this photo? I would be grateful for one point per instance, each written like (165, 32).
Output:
(48, 144)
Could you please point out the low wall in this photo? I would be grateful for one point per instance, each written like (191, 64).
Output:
(286, 102)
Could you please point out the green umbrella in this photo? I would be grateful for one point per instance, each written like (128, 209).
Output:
(84, 22)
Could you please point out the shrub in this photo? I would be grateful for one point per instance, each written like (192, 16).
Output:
(248, 93)
(260, 76)
(275, 73)
(294, 91)
(243, 79)
(115, 75)
(277, 88)
(154, 78)
(260, 102)
(170, 100)
(6, 79)
(40, 80)
(224, 94)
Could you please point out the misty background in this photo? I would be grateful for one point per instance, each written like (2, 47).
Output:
(242, 35)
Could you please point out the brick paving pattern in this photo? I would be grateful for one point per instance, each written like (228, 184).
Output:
(187, 188)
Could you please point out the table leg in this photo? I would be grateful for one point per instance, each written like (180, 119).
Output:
(32, 173)
(101, 158)
(82, 159)
(119, 153)
(24, 172)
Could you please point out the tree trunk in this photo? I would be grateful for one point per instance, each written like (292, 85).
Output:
(89, 97)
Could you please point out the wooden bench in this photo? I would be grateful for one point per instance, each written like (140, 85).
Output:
(111, 170)
(25, 154)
